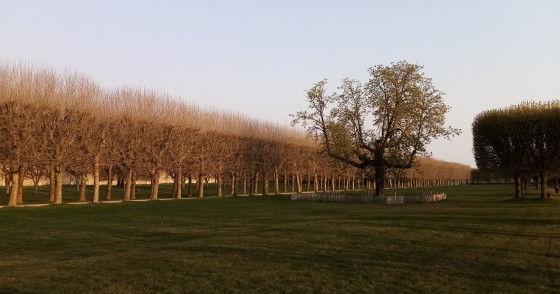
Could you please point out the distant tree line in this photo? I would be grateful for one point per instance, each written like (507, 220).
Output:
(519, 142)
(53, 123)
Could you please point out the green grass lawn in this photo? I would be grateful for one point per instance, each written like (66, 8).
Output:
(477, 241)
(70, 192)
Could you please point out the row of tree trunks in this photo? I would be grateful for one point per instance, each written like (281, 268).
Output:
(417, 183)
(258, 183)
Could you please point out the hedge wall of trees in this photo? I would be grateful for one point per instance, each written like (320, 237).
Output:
(519, 141)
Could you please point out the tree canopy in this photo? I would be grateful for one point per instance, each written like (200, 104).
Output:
(383, 124)
(519, 141)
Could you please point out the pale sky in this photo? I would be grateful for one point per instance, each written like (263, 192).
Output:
(259, 57)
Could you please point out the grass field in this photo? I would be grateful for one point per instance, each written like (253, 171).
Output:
(477, 241)
(70, 193)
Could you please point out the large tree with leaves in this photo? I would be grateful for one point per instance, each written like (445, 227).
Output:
(519, 141)
(500, 144)
(380, 125)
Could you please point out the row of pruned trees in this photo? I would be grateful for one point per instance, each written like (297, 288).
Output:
(53, 123)
(430, 172)
(519, 141)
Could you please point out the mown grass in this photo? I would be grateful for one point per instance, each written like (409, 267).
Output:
(477, 241)
(70, 193)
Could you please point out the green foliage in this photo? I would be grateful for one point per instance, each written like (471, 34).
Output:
(520, 140)
(341, 141)
(380, 125)
(474, 242)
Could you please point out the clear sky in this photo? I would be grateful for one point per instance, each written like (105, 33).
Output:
(259, 57)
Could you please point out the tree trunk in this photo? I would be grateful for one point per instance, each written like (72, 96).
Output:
(256, 181)
(8, 182)
(380, 173)
(276, 183)
(315, 183)
(127, 185)
(121, 181)
(152, 180)
(179, 181)
(77, 184)
(200, 183)
(265, 183)
(190, 184)
(236, 183)
(219, 183)
(285, 183)
(109, 182)
(14, 191)
(58, 190)
(233, 179)
(518, 187)
(52, 186)
(133, 185)
(83, 182)
(96, 179)
(308, 182)
(155, 185)
(20, 185)
(251, 186)
(174, 189)
(244, 184)
(298, 182)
